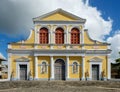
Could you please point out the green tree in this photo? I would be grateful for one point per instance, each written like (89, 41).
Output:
(118, 60)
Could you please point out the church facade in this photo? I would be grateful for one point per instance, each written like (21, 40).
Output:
(59, 48)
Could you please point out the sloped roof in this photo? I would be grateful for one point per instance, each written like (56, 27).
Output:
(2, 58)
(60, 11)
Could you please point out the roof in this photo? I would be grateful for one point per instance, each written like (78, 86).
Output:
(60, 11)
(2, 58)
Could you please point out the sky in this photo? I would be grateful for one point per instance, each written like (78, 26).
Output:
(102, 19)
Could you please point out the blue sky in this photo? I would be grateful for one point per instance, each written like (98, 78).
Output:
(16, 18)
(109, 8)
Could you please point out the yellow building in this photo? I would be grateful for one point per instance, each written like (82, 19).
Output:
(59, 48)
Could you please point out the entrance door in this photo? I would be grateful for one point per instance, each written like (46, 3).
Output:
(59, 70)
(95, 72)
(23, 72)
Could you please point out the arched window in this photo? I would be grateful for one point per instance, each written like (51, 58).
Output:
(43, 36)
(44, 67)
(75, 67)
(75, 36)
(59, 36)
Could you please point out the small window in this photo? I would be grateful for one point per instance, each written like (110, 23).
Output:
(43, 36)
(44, 67)
(75, 67)
(59, 36)
(75, 36)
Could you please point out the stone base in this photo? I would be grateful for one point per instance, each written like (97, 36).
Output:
(52, 79)
(87, 79)
(83, 79)
(72, 79)
(104, 79)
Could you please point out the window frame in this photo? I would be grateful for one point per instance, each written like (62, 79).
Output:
(59, 35)
(43, 36)
(75, 36)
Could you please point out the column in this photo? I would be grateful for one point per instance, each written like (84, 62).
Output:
(36, 67)
(9, 66)
(67, 68)
(109, 67)
(51, 37)
(49, 33)
(51, 68)
(83, 67)
(67, 35)
(53, 34)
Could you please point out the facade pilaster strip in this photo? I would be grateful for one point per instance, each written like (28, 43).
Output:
(83, 67)
(109, 67)
(51, 68)
(9, 66)
(67, 67)
(36, 67)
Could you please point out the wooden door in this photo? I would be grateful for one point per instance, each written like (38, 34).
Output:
(23, 72)
(95, 72)
(59, 70)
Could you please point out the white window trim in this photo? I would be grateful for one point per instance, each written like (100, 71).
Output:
(38, 40)
(100, 68)
(80, 34)
(18, 69)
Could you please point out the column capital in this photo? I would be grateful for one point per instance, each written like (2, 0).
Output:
(83, 56)
(67, 56)
(51, 56)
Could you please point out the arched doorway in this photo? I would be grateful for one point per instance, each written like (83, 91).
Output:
(59, 69)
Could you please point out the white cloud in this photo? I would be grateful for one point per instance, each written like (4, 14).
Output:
(18, 14)
(115, 45)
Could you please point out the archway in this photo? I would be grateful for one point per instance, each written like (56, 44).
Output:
(59, 69)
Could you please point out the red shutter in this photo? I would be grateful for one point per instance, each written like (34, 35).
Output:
(59, 36)
(75, 36)
(43, 36)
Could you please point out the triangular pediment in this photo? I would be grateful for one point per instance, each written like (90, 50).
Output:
(22, 59)
(96, 59)
(59, 15)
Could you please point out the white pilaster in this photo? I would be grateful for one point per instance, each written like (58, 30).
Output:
(51, 68)
(49, 37)
(67, 35)
(83, 67)
(36, 67)
(82, 36)
(53, 35)
(109, 67)
(9, 66)
(67, 67)
(36, 34)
